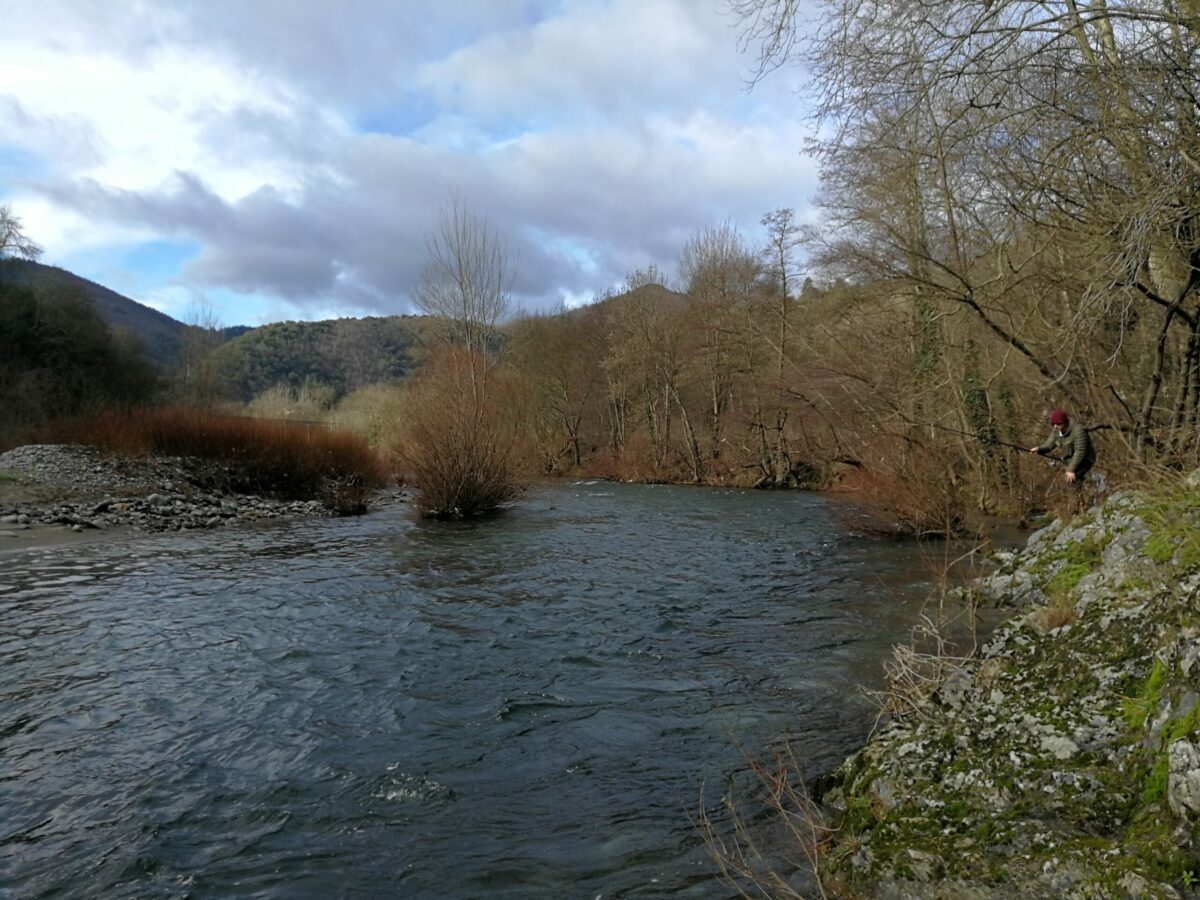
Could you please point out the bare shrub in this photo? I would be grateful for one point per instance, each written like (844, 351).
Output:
(914, 491)
(346, 494)
(751, 866)
(277, 458)
(943, 641)
(464, 421)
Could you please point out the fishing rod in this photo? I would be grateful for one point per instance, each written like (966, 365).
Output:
(977, 437)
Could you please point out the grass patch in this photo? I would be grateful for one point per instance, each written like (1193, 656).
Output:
(1137, 709)
(279, 459)
(1071, 563)
(1170, 512)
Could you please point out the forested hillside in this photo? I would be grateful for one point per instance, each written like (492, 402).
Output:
(341, 355)
(162, 337)
(58, 358)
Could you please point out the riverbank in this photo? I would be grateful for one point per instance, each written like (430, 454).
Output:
(1063, 760)
(57, 493)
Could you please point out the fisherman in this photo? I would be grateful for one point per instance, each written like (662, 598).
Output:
(1072, 440)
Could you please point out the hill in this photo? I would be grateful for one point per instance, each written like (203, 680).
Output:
(161, 336)
(341, 354)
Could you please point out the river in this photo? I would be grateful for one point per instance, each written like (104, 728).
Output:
(526, 706)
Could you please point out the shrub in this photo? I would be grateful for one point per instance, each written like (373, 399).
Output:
(376, 412)
(911, 491)
(461, 443)
(281, 459)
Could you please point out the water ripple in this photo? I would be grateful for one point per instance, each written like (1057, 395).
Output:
(524, 707)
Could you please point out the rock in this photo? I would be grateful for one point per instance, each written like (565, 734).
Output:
(954, 689)
(924, 865)
(1183, 778)
(1059, 747)
(1134, 885)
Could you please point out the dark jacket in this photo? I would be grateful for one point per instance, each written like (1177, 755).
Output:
(1075, 447)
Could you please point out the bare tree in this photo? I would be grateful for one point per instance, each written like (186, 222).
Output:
(468, 276)
(779, 258)
(203, 335)
(639, 278)
(961, 142)
(721, 273)
(13, 240)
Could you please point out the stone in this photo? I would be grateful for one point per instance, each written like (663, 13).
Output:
(1134, 885)
(883, 791)
(1061, 748)
(1183, 778)
(954, 689)
(924, 865)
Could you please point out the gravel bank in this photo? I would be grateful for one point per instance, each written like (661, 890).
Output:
(82, 489)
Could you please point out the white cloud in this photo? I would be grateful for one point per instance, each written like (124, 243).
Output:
(597, 133)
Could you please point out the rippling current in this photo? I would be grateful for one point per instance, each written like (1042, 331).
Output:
(521, 707)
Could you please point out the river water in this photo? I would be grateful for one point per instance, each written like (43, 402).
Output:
(527, 706)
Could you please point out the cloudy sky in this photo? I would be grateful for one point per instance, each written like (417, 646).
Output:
(286, 160)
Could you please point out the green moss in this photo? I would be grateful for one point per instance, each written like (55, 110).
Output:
(1077, 559)
(858, 816)
(1160, 547)
(1181, 727)
(1066, 578)
(1137, 709)
(1154, 788)
(1170, 514)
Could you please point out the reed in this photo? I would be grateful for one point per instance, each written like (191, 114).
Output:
(279, 459)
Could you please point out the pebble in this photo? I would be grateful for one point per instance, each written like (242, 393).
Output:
(151, 495)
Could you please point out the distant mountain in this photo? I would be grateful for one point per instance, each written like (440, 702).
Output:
(161, 335)
(342, 354)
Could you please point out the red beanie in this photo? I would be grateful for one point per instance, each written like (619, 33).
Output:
(1058, 417)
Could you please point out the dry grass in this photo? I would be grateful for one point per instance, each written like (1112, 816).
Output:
(463, 440)
(744, 860)
(256, 456)
(943, 641)
(1058, 612)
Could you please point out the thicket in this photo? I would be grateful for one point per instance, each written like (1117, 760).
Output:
(464, 419)
(278, 459)
(1009, 223)
(59, 359)
(463, 435)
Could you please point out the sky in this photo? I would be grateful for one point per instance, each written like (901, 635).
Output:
(259, 161)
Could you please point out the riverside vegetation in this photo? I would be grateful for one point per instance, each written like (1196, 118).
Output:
(1009, 197)
(1063, 758)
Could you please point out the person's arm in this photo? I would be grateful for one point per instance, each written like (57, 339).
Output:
(1046, 446)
